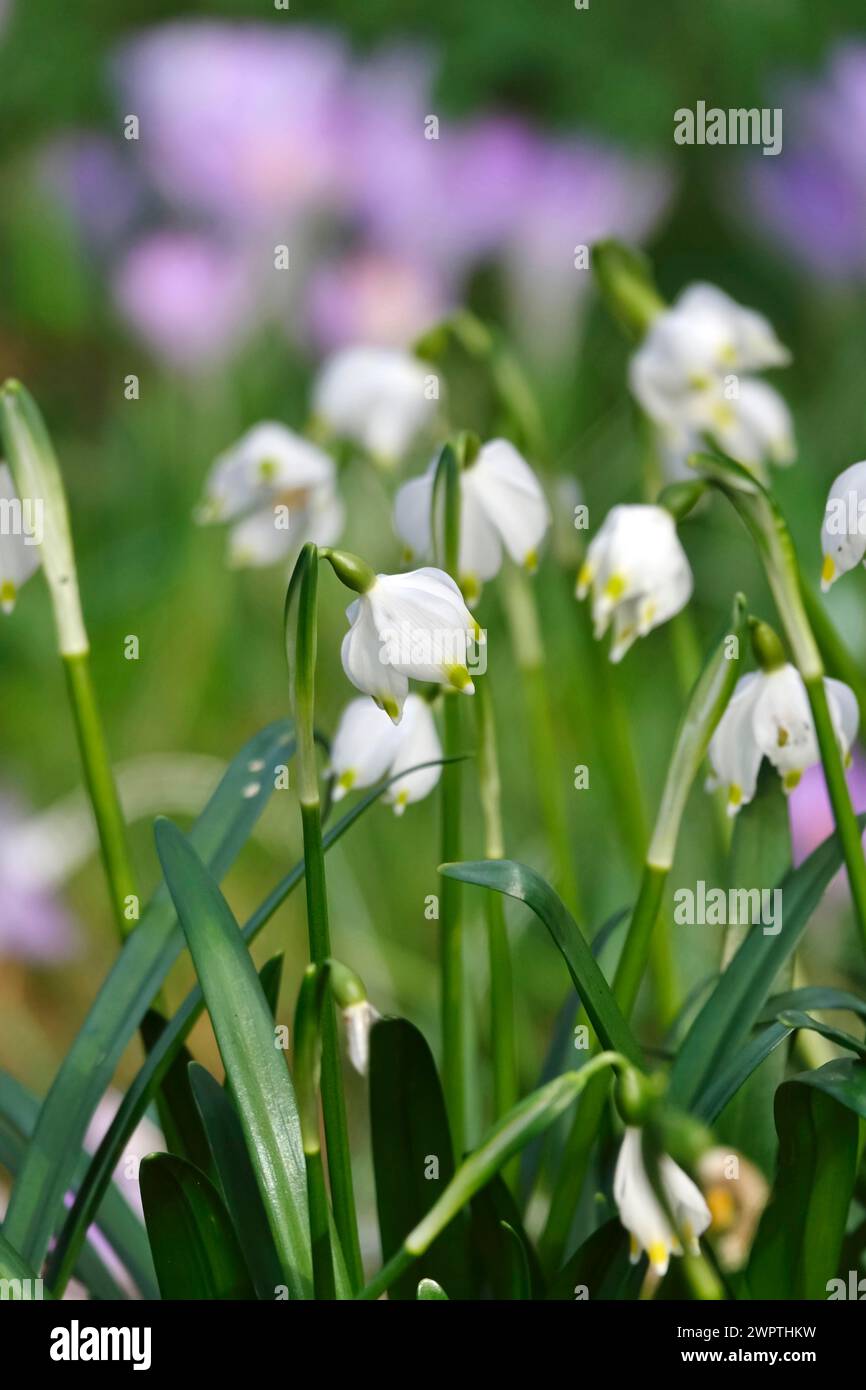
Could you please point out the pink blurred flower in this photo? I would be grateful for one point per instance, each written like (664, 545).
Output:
(34, 925)
(189, 297)
(236, 120)
(810, 812)
(372, 298)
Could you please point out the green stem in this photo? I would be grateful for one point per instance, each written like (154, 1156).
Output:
(521, 608)
(502, 1039)
(447, 487)
(333, 1099)
(632, 962)
(451, 934)
(102, 791)
(840, 797)
(320, 1228)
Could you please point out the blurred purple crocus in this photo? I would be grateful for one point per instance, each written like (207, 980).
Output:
(371, 297)
(811, 198)
(189, 297)
(35, 928)
(238, 121)
(102, 191)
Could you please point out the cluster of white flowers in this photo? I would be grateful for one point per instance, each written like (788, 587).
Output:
(692, 376)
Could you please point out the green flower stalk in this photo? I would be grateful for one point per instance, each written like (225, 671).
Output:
(770, 533)
(301, 614)
(708, 701)
(502, 1041)
(309, 1015)
(37, 476)
(447, 486)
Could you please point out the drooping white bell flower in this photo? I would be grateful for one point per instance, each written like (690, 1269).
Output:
(843, 533)
(501, 505)
(379, 398)
(638, 572)
(19, 541)
(279, 491)
(768, 716)
(358, 1019)
(368, 746)
(691, 376)
(404, 625)
(641, 1213)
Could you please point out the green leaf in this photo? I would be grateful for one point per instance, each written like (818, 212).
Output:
(181, 1123)
(525, 884)
(796, 1250)
(537, 1157)
(506, 1138)
(271, 976)
(729, 1014)
(843, 1079)
(409, 1129)
(600, 1269)
(134, 980)
(760, 855)
(147, 1080)
(496, 1225)
(735, 1072)
(237, 1180)
(244, 1032)
(19, 1112)
(520, 1278)
(822, 997)
(429, 1290)
(194, 1246)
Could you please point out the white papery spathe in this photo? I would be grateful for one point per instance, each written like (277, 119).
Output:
(638, 572)
(278, 489)
(843, 533)
(769, 716)
(379, 398)
(368, 747)
(358, 1019)
(692, 377)
(408, 625)
(19, 550)
(502, 505)
(641, 1213)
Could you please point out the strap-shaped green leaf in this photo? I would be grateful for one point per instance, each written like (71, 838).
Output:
(796, 1250)
(131, 985)
(519, 881)
(194, 1246)
(729, 1013)
(155, 1065)
(256, 1069)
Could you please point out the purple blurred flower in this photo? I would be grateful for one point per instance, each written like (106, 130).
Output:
(811, 198)
(189, 297)
(372, 298)
(236, 120)
(34, 925)
(811, 814)
(100, 188)
(580, 191)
